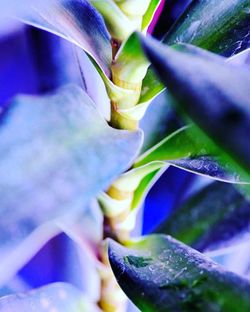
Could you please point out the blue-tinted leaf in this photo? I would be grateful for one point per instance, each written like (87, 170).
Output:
(51, 148)
(54, 297)
(189, 149)
(75, 20)
(160, 274)
(80, 228)
(242, 58)
(159, 121)
(221, 26)
(213, 218)
(216, 95)
(210, 166)
(93, 81)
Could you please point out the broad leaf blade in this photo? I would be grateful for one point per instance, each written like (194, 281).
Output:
(213, 218)
(219, 26)
(189, 149)
(51, 148)
(216, 96)
(54, 297)
(77, 21)
(159, 273)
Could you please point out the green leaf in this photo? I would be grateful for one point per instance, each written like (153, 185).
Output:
(160, 274)
(135, 184)
(215, 96)
(51, 147)
(129, 68)
(145, 185)
(53, 297)
(119, 25)
(213, 218)
(161, 118)
(151, 86)
(191, 150)
(219, 26)
(130, 63)
(77, 21)
(149, 15)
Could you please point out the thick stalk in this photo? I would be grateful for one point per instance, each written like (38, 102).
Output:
(112, 299)
(127, 73)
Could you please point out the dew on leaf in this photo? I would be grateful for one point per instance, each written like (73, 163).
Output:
(138, 261)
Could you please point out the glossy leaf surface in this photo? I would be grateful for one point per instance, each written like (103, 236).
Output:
(213, 218)
(159, 273)
(221, 26)
(77, 21)
(51, 149)
(216, 96)
(54, 297)
(189, 149)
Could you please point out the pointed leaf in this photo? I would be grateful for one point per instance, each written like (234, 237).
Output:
(213, 218)
(160, 274)
(216, 95)
(54, 297)
(242, 58)
(50, 148)
(189, 149)
(221, 26)
(77, 21)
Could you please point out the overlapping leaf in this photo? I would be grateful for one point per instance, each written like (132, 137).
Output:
(54, 297)
(76, 21)
(189, 149)
(213, 218)
(216, 96)
(159, 273)
(52, 147)
(85, 21)
(118, 23)
(221, 26)
(242, 58)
